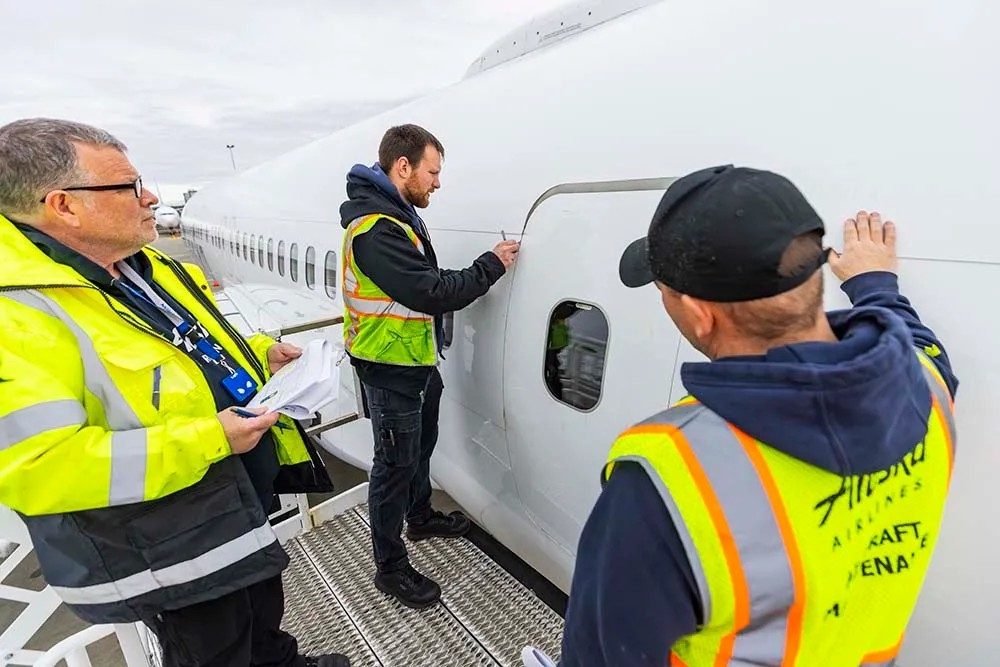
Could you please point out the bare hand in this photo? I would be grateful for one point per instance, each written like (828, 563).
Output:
(507, 252)
(869, 245)
(243, 433)
(280, 354)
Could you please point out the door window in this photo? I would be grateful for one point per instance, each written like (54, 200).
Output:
(575, 352)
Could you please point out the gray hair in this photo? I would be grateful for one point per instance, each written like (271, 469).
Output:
(38, 155)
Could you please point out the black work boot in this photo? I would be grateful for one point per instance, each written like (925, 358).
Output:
(409, 587)
(327, 660)
(439, 524)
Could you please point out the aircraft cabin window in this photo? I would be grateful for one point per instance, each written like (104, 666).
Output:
(270, 254)
(281, 258)
(575, 353)
(331, 274)
(253, 248)
(260, 251)
(311, 267)
(246, 247)
(293, 262)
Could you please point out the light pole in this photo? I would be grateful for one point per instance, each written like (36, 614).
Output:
(231, 157)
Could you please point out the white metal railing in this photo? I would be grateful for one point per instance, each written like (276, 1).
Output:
(39, 608)
(73, 649)
(306, 518)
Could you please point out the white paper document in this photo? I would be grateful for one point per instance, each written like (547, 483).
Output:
(303, 385)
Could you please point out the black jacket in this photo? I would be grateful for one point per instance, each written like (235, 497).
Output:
(389, 258)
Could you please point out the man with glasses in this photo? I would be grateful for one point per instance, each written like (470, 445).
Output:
(146, 496)
(135, 186)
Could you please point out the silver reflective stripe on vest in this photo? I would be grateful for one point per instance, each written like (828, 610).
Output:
(128, 443)
(890, 663)
(382, 308)
(39, 418)
(755, 532)
(128, 467)
(944, 400)
(119, 413)
(147, 581)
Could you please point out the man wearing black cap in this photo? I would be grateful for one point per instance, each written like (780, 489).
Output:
(786, 510)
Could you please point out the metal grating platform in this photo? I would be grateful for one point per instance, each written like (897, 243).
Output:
(485, 616)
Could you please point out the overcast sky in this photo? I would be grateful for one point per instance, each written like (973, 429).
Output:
(177, 80)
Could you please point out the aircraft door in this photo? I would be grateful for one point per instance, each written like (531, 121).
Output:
(585, 356)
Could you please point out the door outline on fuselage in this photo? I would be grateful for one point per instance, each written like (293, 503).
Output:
(577, 187)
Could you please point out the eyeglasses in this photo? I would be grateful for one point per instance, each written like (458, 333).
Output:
(135, 186)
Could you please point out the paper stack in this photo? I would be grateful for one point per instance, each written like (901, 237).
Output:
(303, 385)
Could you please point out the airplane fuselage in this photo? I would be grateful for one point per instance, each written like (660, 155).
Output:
(863, 104)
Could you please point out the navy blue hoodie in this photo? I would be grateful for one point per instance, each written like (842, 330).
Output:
(387, 256)
(851, 407)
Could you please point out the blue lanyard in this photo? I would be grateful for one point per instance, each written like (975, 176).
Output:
(150, 296)
(139, 295)
(190, 333)
(238, 384)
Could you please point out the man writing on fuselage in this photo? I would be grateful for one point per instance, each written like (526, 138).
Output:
(395, 300)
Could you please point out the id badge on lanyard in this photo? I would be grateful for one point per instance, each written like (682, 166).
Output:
(238, 384)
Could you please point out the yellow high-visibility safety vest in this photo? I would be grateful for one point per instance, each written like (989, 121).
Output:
(795, 566)
(376, 328)
(110, 447)
(104, 367)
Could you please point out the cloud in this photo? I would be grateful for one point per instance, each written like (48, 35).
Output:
(179, 80)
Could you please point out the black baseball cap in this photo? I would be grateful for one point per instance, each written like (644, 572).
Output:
(719, 234)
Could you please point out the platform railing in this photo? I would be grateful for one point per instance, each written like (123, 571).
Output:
(306, 518)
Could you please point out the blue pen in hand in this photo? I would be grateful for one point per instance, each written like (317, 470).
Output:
(245, 413)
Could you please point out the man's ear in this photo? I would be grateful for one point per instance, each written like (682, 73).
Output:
(404, 167)
(64, 207)
(700, 315)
